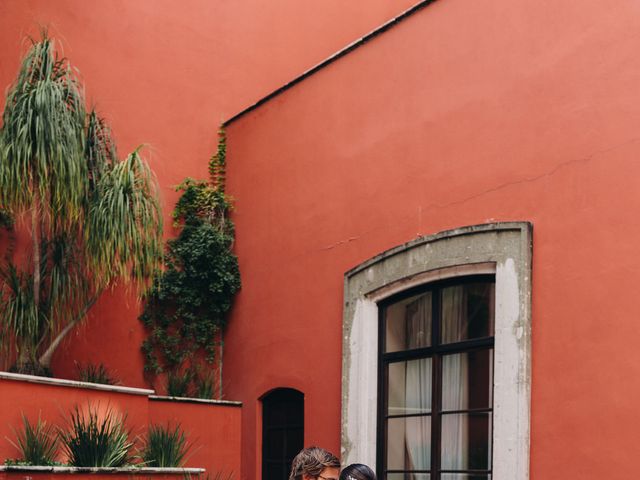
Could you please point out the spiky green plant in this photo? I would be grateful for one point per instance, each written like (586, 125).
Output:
(37, 444)
(95, 438)
(92, 218)
(178, 383)
(205, 385)
(96, 374)
(164, 446)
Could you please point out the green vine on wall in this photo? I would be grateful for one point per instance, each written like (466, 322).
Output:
(187, 308)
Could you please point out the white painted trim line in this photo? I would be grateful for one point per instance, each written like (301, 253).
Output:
(127, 470)
(61, 382)
(208, 401)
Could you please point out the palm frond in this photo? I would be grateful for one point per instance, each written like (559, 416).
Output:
(124, 234)
(23, 322)
(99, 150)
(67, 287)
(93, 218)
(43, 137)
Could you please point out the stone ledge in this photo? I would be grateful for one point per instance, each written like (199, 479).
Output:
(163, 398)
(127, 470)
(61, 382)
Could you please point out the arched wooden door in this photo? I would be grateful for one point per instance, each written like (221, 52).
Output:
(282, 431)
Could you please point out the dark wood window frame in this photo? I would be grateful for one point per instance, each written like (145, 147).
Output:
(436, 351)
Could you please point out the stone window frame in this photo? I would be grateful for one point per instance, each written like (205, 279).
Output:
(503, 249)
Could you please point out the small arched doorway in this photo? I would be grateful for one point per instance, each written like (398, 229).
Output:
(282, 431)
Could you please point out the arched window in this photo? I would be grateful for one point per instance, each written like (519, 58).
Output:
(282, 431)
(420, 401)
(436, 377)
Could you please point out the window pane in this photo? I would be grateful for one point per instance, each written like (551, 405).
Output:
(409, 443)
(467, 312)
(466, 441)
(467, 380)
(464, 476)
(408, 476)
(408, 323)
(409, 387)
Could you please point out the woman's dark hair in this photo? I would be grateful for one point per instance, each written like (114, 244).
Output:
(357, 471)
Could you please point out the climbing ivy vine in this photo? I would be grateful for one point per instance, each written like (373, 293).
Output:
(186, 310)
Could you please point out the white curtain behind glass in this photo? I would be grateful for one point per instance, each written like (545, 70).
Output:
(455, 384)
(418, 386)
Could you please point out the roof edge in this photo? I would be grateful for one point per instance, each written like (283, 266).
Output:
(339, 54)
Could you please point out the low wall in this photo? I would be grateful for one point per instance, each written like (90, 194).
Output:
(70, 473)
(212, 426)
(52, 399)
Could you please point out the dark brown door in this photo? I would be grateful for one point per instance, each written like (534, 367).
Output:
(282, 431)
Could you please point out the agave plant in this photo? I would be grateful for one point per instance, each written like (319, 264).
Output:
(95, 374)
(95, 438)
(92, 218)
(178, 383)
(37, 444)
(204, 386)
(164, 446)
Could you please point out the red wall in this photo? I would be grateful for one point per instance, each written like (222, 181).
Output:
(466, 113)
(22, 475)
(213, 429)
(52, 403)
(166, 74)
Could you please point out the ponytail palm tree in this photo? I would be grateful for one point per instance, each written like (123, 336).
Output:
(92, 218)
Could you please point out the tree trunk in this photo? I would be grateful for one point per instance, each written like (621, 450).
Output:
(47, 356)
(35, 235)
(23, 360)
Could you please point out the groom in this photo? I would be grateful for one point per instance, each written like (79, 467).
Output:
(315, 463)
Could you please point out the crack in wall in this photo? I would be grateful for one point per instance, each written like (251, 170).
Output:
(535, 178)
(341, 242)
(532, 179)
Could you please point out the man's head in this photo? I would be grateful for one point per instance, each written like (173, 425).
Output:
(315, 463)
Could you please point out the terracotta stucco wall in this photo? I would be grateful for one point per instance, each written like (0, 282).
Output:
(15, 475)
(213, 430)
(466, 113)
(166, 74)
